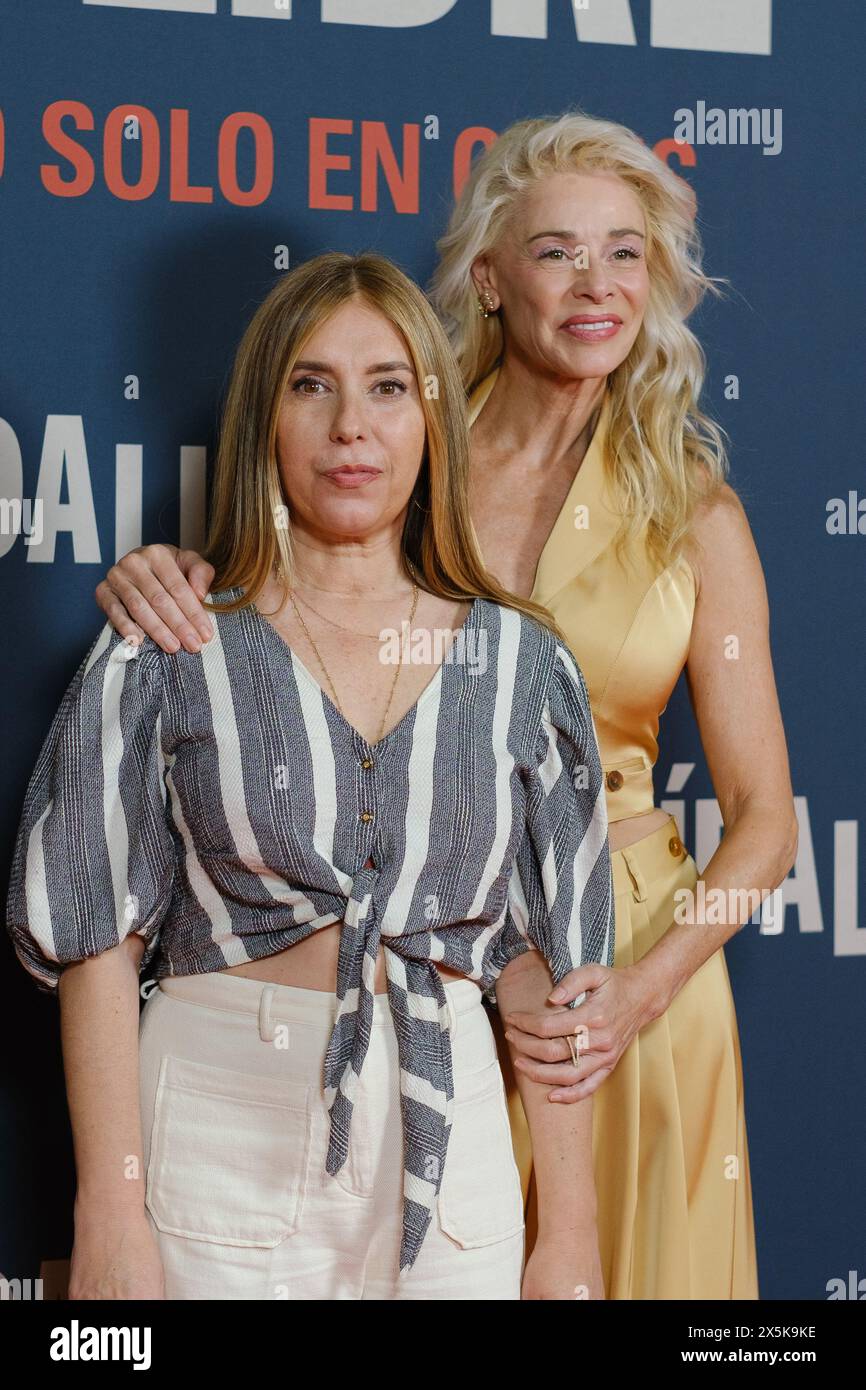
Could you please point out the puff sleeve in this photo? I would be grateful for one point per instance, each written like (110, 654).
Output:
(560, 894)
(94, 853)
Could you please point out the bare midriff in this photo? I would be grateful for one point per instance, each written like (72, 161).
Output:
(312, 963)
(634, 828)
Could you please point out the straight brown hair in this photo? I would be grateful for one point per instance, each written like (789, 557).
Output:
(249, 535)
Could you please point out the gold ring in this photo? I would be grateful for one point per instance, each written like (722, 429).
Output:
(573, 1048)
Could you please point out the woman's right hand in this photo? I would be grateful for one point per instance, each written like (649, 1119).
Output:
(117, 1257)
(157, 590)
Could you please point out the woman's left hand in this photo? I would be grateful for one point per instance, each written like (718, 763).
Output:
(617, 1005)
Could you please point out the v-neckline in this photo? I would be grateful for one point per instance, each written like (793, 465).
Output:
(431, 686)
(568, 550)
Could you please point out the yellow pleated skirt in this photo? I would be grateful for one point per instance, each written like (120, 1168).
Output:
(670, 1153)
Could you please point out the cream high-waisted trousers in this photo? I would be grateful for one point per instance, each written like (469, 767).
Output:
(235, 1133)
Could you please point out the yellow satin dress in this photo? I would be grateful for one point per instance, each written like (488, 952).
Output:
(670, 1153)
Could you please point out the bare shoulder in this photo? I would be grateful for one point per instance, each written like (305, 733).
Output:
(722, 545)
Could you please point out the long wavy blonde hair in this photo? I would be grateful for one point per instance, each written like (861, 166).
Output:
(249, 535)
(664, 454)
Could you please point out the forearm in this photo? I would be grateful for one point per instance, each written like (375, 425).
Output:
(754, 856)
(99, 1031)
(561, 1134)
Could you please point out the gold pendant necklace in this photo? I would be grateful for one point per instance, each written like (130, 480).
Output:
(328, 674)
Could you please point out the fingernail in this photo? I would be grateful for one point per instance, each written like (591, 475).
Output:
(193, 644)
(510, 1036)
(172, 644)
(557, 996)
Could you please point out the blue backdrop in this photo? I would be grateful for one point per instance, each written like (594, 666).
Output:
(160, 163)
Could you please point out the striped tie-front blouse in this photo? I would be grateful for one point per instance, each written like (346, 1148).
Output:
(219, 805)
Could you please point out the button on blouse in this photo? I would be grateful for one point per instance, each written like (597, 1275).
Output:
(220, 806)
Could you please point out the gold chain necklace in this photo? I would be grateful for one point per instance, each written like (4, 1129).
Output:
(374, 636)
(328, 674)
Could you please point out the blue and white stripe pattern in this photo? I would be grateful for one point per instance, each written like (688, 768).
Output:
(218, 804)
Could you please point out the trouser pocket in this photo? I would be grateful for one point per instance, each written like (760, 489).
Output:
(480, 1199)
(229, 1154)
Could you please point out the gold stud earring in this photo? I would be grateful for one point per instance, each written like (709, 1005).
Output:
(486, 305)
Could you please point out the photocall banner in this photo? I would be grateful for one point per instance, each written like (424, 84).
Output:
(162, 161)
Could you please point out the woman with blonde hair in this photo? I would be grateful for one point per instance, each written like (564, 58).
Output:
(568, 272)
(324, 886)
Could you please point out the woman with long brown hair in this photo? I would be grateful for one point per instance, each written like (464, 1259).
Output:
(324, 886)
(568, 272)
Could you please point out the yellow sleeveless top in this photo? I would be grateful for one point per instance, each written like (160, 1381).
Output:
(628, 627)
